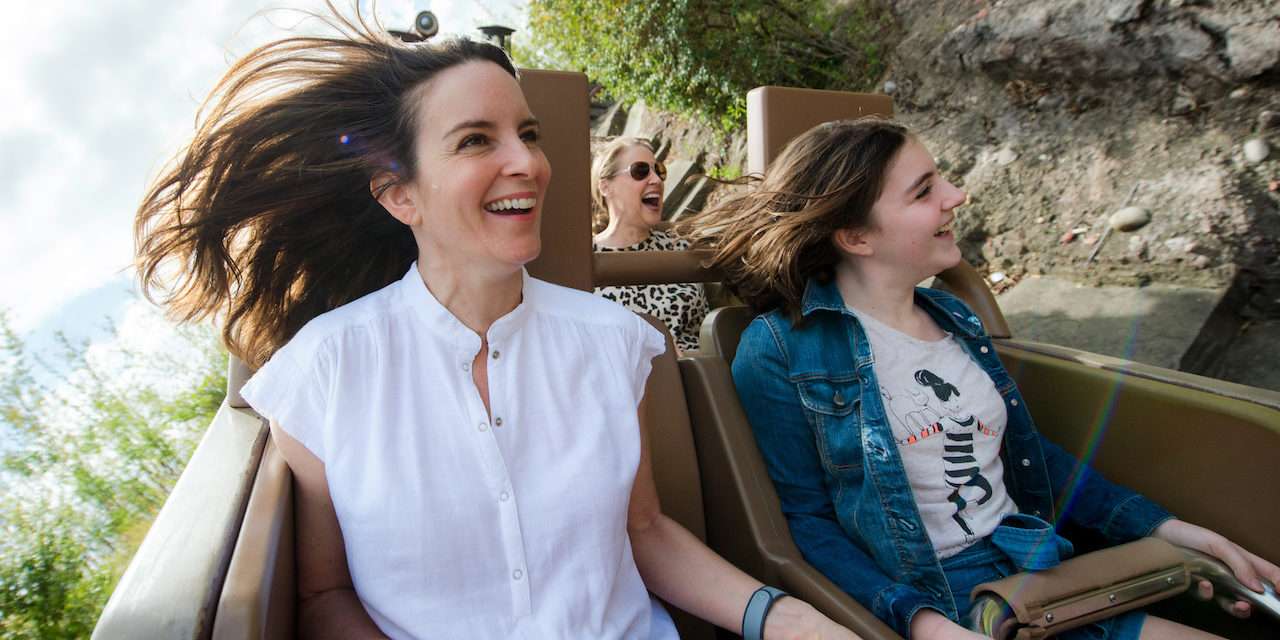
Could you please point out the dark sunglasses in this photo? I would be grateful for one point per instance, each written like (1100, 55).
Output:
(640, 170)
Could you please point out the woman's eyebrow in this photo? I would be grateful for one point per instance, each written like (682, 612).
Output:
(919, 181)
(486, 124)
(469, 124)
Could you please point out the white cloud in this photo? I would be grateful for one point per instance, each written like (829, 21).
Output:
(97, 97)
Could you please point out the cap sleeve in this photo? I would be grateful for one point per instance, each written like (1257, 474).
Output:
(293, 395)
(650, 343)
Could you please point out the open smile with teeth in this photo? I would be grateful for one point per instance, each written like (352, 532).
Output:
(651, 200)
(511, 206)
(945, 229)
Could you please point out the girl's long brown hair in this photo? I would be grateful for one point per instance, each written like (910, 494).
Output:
(771, 238)
(266, 219)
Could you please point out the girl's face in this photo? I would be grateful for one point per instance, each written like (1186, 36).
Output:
(632, 201)
(911, 222)
(481, 176)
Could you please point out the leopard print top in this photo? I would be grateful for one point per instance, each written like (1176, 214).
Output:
(679, 306)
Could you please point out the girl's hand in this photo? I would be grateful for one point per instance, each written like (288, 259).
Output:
(794, 619)
(929, 624)
(1247, 567)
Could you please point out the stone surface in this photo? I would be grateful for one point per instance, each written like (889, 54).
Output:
(612, 122)
(1130, 219)
(1153, 325)
(1114, 40)
(1256, 150)
(1006, 157)
(682, 175)
(1253, 48)
(1251, 359)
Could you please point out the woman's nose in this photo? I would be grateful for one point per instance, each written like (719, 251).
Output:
(957, 196)
(521, 159)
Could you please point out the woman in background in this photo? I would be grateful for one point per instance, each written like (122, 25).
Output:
(626, 190)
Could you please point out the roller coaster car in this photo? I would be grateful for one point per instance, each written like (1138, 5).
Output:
(219, 560)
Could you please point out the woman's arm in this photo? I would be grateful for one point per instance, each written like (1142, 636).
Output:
(680, 569)
(327, 602)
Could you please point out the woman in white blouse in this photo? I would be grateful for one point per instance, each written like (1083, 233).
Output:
(452, 479)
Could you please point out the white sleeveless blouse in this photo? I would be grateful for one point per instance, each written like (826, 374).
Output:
(461, 526)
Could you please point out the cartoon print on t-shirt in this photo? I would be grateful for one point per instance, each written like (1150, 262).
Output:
(916, 420)
(963, 474)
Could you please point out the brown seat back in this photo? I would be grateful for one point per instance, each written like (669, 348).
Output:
(673, 460)
(259, 596)
(559, 100)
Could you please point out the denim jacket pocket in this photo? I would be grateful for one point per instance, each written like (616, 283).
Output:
(834, 409)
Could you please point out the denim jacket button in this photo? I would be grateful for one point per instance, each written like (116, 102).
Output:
(1026, 462)
(1014, 402)
(838, 399)
(983, 349)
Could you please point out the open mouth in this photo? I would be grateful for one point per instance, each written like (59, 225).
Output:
(511, 206)
(652, 200)
(945, 229)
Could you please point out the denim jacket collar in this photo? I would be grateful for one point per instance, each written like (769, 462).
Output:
(825, 296)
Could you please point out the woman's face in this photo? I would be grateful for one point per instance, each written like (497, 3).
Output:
(481, 175)
(631, 201)
(911, 222)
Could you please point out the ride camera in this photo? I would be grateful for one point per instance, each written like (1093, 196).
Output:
(426, 24)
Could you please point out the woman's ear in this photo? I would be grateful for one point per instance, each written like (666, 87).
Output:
(852, 241)
(603, 187)
(396, 197)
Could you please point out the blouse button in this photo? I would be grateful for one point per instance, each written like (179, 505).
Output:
(496, 353)
(466, 366)
(482, 426)
(1026, 462)
(517, 574)
(504, 496)
(983, 349)
(497, 422)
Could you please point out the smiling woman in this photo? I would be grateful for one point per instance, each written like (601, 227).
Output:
(362, 209)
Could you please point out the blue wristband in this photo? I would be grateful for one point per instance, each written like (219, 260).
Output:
(757, 609)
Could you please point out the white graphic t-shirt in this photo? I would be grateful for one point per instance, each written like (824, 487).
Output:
(948, 420)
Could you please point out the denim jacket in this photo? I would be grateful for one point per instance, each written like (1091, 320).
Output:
(811, 395)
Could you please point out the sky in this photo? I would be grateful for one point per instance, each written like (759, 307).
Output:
(96, 97)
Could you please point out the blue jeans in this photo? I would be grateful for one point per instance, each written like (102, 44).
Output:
(1036, 546)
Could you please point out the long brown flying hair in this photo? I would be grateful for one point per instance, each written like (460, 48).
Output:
(266, 219)
(770, 239)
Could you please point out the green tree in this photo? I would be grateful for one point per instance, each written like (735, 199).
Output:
(700, 57)
(93, 442)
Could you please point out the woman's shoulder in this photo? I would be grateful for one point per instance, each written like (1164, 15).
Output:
(578, 306)
(337, 326)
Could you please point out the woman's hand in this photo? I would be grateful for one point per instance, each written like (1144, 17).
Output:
(1247, 567)
(928, 624)
(794, 619)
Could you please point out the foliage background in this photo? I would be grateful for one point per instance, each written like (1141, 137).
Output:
(700, 57)
(93, 440)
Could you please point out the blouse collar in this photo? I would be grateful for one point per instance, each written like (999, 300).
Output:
(440, 319)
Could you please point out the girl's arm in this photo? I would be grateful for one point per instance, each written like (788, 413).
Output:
(1247, 567)
(682, 570)
(790, 452)
(327, 602)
